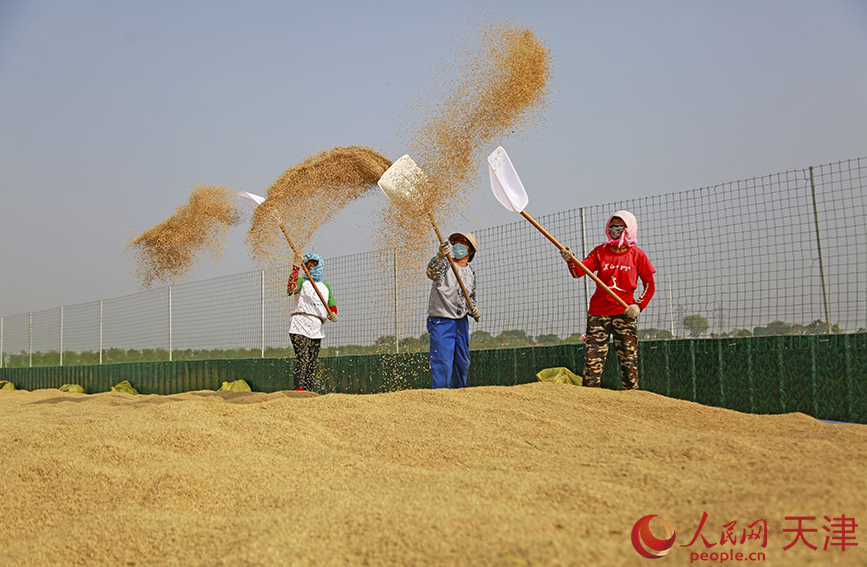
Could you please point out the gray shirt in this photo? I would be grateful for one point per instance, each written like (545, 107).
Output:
(446, 298)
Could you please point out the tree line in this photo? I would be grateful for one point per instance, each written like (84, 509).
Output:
(695, 325)
(383, 345)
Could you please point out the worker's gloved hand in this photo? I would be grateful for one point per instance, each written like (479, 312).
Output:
(332, 316)
(632, 311)
(298, 259)
(475, 313)
(566, 253)
(445, 250)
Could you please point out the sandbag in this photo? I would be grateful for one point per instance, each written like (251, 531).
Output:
(4, 385)
(72, 388)
(124, 388)
(561, 374)
(236, 386)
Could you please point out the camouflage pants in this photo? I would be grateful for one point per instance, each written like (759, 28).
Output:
(306, 354)
(625, 332)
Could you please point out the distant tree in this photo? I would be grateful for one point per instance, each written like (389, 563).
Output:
(413, 344)
(353, 350)
(17, 360)
(740, 333)
(574, 338)
(50, 358)
(114, 355)
(654, 334)
(273, 352)
(513, 338)
(819, 327)
(71, 358)
(779, 328)
(481, 338)
(88, 357)
(548, 340)
(695, 325)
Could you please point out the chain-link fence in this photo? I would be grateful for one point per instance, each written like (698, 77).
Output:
(780, 254)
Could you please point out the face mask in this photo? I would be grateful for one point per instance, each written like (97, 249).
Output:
(459, 251)
(615, 230)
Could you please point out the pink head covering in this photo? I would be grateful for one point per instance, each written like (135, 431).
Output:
(630, 235)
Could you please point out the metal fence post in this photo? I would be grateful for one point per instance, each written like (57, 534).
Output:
(1, 342)
(262, 294)
(61, 335)
(670, 308)
(100, 331)
(170, 323)
(584, 255)
(30, 341)
(396, 340)
(821, 259)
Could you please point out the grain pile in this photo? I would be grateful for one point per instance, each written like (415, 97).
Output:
(533, 475)
(171, 249)
(309, 194)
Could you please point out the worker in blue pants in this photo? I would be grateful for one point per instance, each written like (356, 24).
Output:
(447, 322)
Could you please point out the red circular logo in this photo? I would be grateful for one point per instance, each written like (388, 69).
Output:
(648, 545)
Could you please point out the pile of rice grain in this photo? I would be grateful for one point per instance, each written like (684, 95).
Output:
(535, 475)
(171, 249)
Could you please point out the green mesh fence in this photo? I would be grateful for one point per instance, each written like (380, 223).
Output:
(821, 376)
(776, 255)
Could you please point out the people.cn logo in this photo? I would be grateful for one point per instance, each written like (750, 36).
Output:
(648, 545)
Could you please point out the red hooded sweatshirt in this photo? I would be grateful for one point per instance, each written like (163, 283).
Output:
(620, 271)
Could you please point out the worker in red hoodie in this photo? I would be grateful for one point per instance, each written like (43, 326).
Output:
(619, 264)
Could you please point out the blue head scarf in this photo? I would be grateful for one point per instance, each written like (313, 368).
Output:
(319, 269)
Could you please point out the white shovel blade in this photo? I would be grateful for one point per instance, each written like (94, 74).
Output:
(250, 199)
(505, 183)
(399, 183)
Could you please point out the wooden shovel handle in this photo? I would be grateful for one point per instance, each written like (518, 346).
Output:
(577, 261)
(454, 267)
(304, 267)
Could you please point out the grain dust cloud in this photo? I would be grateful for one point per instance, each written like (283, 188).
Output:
(309, 194)
(170, 250)
(493, 89)
(496, 87)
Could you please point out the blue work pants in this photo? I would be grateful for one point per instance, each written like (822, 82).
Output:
(449, 351)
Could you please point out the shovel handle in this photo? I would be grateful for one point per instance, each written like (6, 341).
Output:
(454, 268)
(577, 261)
(304, 267)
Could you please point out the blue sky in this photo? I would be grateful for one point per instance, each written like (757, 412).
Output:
(110, 112)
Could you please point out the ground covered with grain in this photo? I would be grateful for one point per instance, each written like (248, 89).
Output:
(537, 474)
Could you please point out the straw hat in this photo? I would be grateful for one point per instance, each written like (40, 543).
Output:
(472, 239)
